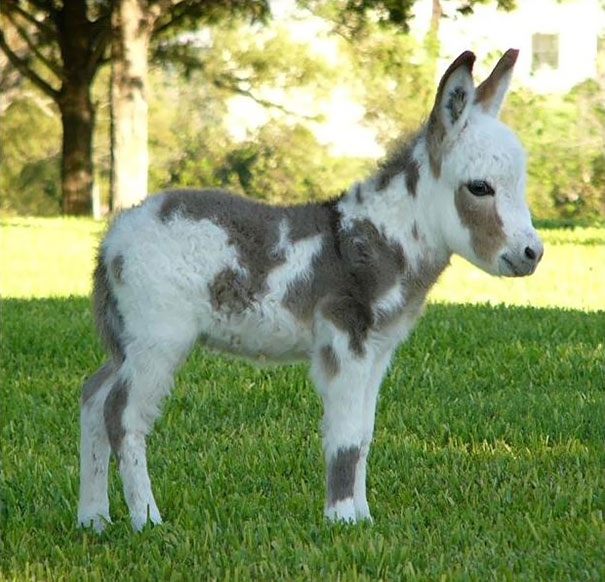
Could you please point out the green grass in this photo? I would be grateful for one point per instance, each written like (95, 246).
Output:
(54, 257)
(488, 462)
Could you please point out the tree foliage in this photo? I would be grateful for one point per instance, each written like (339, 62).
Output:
(59, 47)
(353, 18)
(193, 143)
(565, 141)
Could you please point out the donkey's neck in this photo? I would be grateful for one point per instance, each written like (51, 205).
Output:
(397, 200)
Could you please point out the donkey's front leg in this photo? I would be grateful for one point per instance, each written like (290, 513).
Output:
(379, 368)
(342, 378)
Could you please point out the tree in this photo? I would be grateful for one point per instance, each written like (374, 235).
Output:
(131, 27)
(61, 49)
(566, 177)
(133, 23)
(350, 18)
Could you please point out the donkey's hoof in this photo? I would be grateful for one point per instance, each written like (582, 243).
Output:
(363, 513)
(139, 522)
(343, 510)
(96, 522)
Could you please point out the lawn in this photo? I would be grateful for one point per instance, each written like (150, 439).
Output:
(54, 257)
(487, 463)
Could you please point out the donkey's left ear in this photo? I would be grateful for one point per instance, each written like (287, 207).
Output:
(452, 107)
(490, 94)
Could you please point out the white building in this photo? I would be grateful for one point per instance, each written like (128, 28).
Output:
(561, 42)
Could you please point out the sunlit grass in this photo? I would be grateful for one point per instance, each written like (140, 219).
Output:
(47, 257)
(487, 463)
(54, 258)
(570, 275)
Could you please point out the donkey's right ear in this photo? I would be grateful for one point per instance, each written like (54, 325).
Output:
(453, 103)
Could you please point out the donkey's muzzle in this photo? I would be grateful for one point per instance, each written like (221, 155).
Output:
(521, 264)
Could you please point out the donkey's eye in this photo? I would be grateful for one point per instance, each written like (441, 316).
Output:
(480, 188)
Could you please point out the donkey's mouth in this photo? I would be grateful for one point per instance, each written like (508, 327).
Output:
(509, 268)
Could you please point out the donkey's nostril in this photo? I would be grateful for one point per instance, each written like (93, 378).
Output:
(530, 253)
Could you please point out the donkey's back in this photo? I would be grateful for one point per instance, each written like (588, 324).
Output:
(213, 267)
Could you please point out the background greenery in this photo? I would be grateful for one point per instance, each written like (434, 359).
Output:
(191, 141)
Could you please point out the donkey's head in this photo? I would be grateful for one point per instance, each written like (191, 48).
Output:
(479, 168)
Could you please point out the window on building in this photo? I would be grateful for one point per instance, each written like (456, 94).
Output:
(545, 51)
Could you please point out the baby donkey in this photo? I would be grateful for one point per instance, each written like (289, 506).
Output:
(339, 283)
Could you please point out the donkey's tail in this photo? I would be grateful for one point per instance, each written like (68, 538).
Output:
(108, 319)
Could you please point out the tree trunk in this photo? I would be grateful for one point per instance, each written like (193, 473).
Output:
(77, 112)
(132, 24)
(77, 118)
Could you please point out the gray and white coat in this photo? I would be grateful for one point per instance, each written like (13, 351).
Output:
(339, 283)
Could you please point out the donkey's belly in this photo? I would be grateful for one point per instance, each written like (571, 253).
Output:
(265, 332)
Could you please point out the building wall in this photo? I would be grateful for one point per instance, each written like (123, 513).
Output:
(577, 25)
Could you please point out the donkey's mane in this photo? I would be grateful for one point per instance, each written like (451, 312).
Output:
(399, 159)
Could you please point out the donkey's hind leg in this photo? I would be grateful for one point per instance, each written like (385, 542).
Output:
(93, 507)
(130, 409)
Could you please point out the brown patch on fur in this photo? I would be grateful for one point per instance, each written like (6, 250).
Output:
(253, 229)
(400, 160)
(329, 361)
(412, 175)
(94, 383)
(231, 291)
(351, 316)
(435, 128)
(341, 474)
(419, 282)
(415, 232)
(456, 103)
(117, 266)
(434, 139)
(113, 409)
(108, 319)
(371, 265)
(482, 219)
(354, 267)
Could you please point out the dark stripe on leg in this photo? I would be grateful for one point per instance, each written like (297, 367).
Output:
(113, 410)
(329, 361)
(341, 474)
(94, 383)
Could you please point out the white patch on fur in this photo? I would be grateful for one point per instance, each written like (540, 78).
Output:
(343, 510)
(93, 506)
(390, 301)
(135, 479)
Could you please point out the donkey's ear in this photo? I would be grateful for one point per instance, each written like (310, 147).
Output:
(490, 94)
(453, 104)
